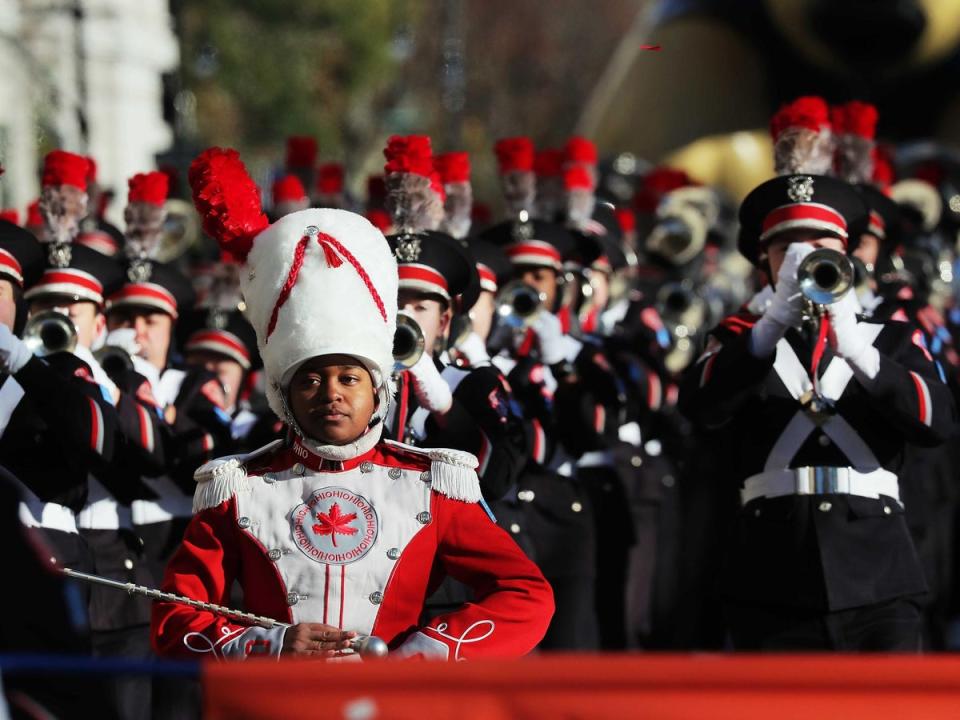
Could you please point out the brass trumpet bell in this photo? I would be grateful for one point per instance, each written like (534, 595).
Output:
(518, 304)
(50, 332)
(825, 276)
(408, 343)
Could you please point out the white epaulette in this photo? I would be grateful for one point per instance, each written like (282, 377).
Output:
(221, 478)
(452, 472)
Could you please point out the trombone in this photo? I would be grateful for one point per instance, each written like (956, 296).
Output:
(50, 332)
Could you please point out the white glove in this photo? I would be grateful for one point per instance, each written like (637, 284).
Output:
(474, 350)
(549, 334)
(124, 338)
(847, 341)
(431, 389)
(14, 353)
(785, 309)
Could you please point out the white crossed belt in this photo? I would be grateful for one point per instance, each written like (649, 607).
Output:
(866, 477)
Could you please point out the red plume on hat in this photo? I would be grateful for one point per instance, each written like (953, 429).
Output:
(580, 150)
(34, 218)
(91, 169)
(410, 154)
(884, 174)
(10, 215)
(63, 198)
(227, 199)
(855, 127)
(145, 213)
(578, 184)
(412, 198)
(802, 137)
(148, 188)
(330, 179)
(810, 112)
(454, 171)
(657, 183)
(514, 154)
(301, 152)
(288, 189)
(548, 163)
(515, 162)
(64, 168)
(379, 219)
(454, 167)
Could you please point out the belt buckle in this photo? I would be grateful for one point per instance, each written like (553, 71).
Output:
(819, 481)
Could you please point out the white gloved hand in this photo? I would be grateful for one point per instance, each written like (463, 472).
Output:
(124, 338)
(847, 341)
(474, 350)
(785, 308)
(14, 353)
(549, 334)
(431, 389)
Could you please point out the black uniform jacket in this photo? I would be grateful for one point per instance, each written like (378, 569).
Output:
(823, 552)
(482, 421)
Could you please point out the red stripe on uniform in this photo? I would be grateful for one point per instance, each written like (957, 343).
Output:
(326, 591)
(96, 430)
(599, 418)
(707, 370)
(924, 408)
(343, 592)
(538, 442)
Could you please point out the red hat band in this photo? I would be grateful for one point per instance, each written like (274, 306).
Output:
(803, 215)
(535, 252)
(148, 295)
(221, 342)
(424, 278)
(67, 281)
(10, 267)
(488, 278)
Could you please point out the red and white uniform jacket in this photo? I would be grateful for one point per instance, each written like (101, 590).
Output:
(358, 544)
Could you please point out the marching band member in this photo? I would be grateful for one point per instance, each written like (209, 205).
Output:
(822, 558)
(338, 531)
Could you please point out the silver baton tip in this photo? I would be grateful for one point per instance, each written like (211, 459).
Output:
(370, 646)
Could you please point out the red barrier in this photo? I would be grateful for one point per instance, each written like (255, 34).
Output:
(667, 687)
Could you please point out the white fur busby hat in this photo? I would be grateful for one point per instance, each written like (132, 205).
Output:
(316, 282)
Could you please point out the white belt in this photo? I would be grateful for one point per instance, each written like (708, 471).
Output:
(36, 513)
(821, 481)
(596, 458)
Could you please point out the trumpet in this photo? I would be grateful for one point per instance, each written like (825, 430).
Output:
(408, 343)
(518, 304)
(114, 360)
(50, 332)
(825, 276)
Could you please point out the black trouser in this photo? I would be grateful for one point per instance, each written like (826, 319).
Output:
(615, 535)
(128, 694)
(891, 626)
